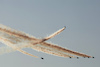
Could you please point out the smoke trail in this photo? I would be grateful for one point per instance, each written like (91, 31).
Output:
(7, 49)
(56, 47)
(51, 51)
(4, 50)
(11, 44)
(42, 49)
(54, 34)
(15, 38)
(19, 34)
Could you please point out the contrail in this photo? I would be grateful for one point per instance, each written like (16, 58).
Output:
(10, 44)
(49, 51)
(18, 40)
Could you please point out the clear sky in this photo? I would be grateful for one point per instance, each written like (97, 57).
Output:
(43, 17)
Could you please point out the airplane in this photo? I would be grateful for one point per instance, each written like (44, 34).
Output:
(17, 40)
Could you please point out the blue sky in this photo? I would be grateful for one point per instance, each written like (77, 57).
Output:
(43, 17)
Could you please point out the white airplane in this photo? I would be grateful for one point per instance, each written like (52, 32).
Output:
(17, 40)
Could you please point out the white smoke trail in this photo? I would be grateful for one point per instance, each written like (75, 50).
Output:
(55, 33)
(11, 44)
(42, 49)
(4, 50)
(7, 49)
(18, 40)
